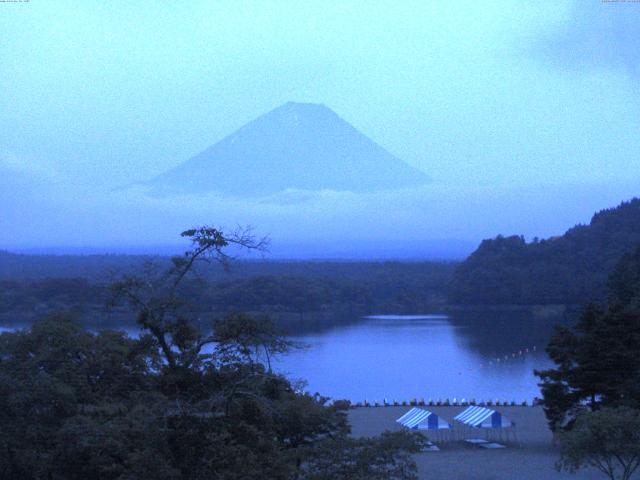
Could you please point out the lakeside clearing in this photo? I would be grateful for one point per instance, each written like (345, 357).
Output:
(533, 459)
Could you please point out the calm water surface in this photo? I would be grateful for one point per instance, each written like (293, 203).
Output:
(481, 355)
(421, 356)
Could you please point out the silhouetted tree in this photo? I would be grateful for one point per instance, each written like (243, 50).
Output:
(77, 405)
(387, 457)
(597, 362)
(156, 297)
(608, 440)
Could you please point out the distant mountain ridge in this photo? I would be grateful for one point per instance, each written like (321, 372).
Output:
(300, 146)
(570, 269)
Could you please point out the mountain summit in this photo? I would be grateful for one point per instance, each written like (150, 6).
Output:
(300, 146)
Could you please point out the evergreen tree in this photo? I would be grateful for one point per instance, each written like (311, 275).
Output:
(597, 361)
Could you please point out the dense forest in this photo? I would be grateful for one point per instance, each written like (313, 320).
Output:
(76, 404)
(570, 269)
(298, 295)
(103, 268)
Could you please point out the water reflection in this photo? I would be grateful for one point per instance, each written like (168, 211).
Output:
(423, 356)
(482, 355)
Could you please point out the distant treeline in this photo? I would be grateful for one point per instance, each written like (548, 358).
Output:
(29, 290)
(571, 269)
(101, 268)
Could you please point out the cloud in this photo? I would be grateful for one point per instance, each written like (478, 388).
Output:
(410, 219)
(597, 35)
(24, 165)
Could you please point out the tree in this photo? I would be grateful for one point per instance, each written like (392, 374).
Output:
(156, 295)
(608, 440)
(247, 339)
(76, 405)
(568, 269)
(387, 457)
(597, 361)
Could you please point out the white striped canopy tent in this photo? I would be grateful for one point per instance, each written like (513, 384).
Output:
(482, 417)
(421, 419)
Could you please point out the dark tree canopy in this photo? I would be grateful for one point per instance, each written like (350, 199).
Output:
(568, 269)
(176, 403)
(608, 440)
(297, 295)
(78, 405)
(597, 361)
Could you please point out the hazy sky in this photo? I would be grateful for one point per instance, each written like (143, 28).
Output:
(504, 96)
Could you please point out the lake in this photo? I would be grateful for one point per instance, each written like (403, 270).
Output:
(401, 357)
(482, 355)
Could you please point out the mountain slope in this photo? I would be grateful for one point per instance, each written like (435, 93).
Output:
(296, 146)
(571, 269)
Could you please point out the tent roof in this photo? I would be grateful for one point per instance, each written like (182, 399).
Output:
(422, 420)
(482, 417)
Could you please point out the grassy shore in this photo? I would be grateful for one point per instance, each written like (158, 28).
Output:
(533, 458)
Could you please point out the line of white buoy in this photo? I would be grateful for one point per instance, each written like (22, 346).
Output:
(520, 353)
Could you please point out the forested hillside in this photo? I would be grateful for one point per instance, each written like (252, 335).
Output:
(31, 286)
(570, 269)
